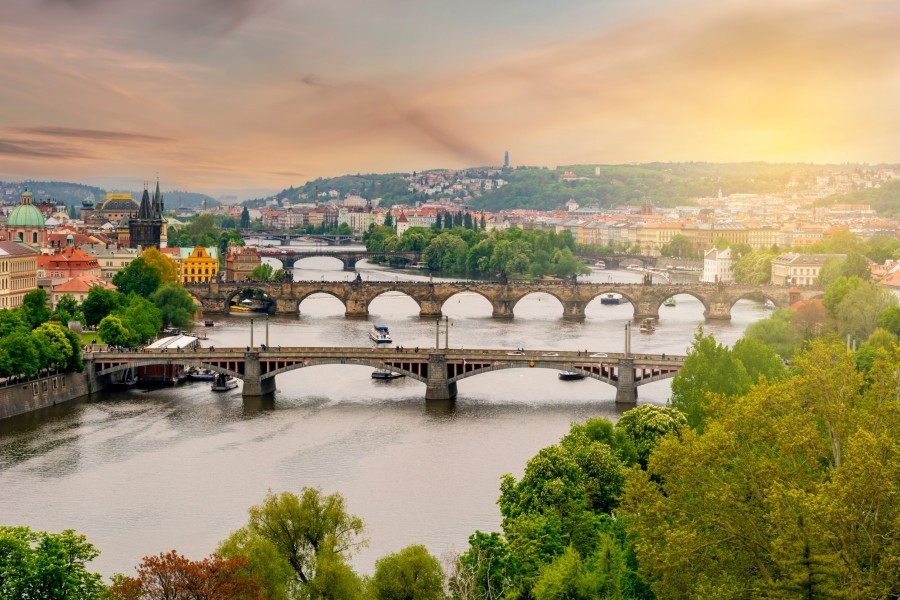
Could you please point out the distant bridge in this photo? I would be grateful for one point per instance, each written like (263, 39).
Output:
(717, 299)
(286, 237)
(439, 370)
(349, 258)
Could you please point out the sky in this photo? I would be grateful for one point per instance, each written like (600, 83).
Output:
(248, 97)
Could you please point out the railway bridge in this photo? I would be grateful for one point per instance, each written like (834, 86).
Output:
(717, 299)
(349, 258)
(439, 369)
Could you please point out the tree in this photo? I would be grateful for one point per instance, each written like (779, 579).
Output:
(35, 307)
(412, 573)
(57, 349)
(710, 368)
(789, 491)
(19, 354)
(858, 312)
(312, 532)
(37, 564)
(890, 319)
(776, 331)
(566, 266)
(754, 268)
(12, 320)
(759, 360)
(175, 304)
(446, 252)
(99, 303)
(171, 576)
(139, 277)
(245, 218)
(647, 424)
(262, 272)
(67, 309)
(486, 571)
(141, 317)
(165, 266)
(389, 220)
(679, 246)
(114, 332)
(264, 563)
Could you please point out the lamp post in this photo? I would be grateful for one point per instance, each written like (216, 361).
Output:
(267, 331)
(446, 332)
(437, 334)
(251, 334)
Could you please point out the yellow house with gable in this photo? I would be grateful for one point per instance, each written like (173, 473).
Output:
(198, 265)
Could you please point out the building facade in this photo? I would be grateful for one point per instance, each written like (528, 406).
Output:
(26, 223)
(146, 229)
(198, 265)
(717, 266)
(240, 263)
(78, 288)
(799, 269)
(18, 273)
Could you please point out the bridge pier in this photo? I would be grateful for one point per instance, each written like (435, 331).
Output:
(718, 311)
(254, 384)
(626, 391)
(573, 311)
(646, 309)
(350, 264)
(356, 308)
(438, 385)
(430, 308)
(286, 306)
(503, 309)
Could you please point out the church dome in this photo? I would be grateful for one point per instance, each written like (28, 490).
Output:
(25, 215)
(88, 201)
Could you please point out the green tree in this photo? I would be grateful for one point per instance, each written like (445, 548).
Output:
(412, 573)
(759, 360)
(175, 304)
(12, 320)
(141, 317)
(35, 307)
(566, 266)
(262, 272)
(51, 338)
(754, 268)
(446, 252)
(52, 566)
(114, 332)
(264, 563)
(710, 368)
(776, 332)
(245, 218)
(647, 424)
(789, 491)
(76, 363)
(312, 532)
(858, 312)
(19, 354)
(486, 571)
(890, 319)
(139, 277)
(99, 303)
(67, 309)
(389, 220)
(679, 246)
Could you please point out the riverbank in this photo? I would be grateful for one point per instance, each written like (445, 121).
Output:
(19, 396)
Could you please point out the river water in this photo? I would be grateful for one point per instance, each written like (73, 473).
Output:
(141, 472)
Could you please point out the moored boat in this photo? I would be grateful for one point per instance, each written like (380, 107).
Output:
(567, 375)
(380, 334)
(647, 326)
(223, 383)
(385, 375)
(670, 301)
(612, 299)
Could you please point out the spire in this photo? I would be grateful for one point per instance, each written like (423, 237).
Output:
(157, 201)
(145, 212)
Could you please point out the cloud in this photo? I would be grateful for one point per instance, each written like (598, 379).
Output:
(41, 150)
(90, 134)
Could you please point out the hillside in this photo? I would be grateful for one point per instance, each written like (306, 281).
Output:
(885, 199)
(73, 194)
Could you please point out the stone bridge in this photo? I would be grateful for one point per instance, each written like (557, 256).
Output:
(356, 296)
(285, 237)
(348, 257)
(438, 369)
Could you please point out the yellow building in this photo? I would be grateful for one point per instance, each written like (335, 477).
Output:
(18, 273)
(198, 265)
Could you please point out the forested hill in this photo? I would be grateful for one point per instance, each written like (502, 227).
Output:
(73, 194)
(885, 199)
(663, 184)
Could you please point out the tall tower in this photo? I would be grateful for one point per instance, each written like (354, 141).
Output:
(506, 159)
(145, 229)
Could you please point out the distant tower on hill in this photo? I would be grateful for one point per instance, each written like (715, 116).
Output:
(506, 159)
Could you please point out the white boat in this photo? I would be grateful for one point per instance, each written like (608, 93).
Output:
(647, 326)
(380, 334)
(385, 375)
(567, 375)
(223, 383)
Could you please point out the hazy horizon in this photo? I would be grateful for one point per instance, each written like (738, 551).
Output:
(248, 97)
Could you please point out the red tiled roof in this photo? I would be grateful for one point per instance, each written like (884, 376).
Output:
(82, 284)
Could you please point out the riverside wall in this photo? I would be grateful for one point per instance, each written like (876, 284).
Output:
(26, 396)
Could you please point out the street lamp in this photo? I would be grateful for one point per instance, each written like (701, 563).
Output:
(251, 334)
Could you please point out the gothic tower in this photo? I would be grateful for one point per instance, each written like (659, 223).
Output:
(145, 229)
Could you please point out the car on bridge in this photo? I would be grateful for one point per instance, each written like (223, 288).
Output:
(599, 355)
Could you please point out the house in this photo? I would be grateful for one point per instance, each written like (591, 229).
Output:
(78, 288)
(18, 273)
(198, 265)
(799, 269)
(717, 266)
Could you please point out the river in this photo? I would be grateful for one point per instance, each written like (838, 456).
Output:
(141, 472)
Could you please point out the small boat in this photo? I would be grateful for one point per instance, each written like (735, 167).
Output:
(208, 323)
(201, 377)
(670, 301)
(385, 375)
(647, 326)
(126, 380)
(223, 383)
(380, 334)
(600, 264)
(239, 308)
(567, 375)
(612, 299)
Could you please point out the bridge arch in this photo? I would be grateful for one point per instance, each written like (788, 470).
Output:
(187, 361)
(391, 290)
(474, 291)
(513, 302)
(611, 378)
(301, 297)
(658, 300)
(295, 260)
(598, 295)
(249, 286)
(759, 295)
(375, 364)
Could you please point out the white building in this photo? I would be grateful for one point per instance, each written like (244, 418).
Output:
(717, 265)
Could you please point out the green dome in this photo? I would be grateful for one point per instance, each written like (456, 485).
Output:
(25, 215)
